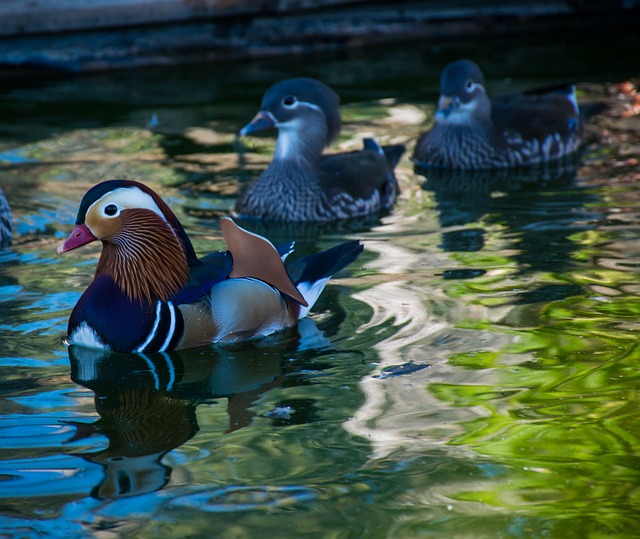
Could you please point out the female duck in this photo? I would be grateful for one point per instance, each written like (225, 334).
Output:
(474, 132)
(300, 184)
(152, 293)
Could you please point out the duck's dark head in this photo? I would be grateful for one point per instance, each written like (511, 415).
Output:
(463, 98)
(145, 248)
(306, 113)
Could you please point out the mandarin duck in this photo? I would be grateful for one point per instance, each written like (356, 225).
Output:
(5, 221)
(152, 293)
(475, 132)
(302, 184)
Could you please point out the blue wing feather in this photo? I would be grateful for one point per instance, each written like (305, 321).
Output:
(209, 270)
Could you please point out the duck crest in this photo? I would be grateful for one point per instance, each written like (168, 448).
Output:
(146, 259)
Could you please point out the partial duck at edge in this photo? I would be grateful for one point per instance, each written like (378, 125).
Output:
(5, 221)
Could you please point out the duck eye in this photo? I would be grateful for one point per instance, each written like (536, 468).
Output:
(111, 210)
(470, 85)
(289, 101)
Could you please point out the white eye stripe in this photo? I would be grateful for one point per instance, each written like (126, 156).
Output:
(310, 105)
(303, 104)
(126, 198)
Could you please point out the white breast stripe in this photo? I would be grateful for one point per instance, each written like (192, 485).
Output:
(153, 331)
(172, 326)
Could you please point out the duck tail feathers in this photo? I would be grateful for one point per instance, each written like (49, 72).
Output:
(312, 273)
(392, 152)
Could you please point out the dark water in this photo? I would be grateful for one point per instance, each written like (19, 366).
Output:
(474, 374)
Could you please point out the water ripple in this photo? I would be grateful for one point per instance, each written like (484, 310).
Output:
(236, 499)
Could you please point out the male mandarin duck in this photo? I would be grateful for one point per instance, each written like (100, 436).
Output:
(152, 293)
(301, 184)
(475, 132)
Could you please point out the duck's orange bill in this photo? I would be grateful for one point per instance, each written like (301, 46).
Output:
(80, 236)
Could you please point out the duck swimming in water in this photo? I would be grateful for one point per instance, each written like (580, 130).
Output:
(475, 132)
(152, 293)
(303, 184)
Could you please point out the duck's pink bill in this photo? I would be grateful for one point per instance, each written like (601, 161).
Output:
(80, 236)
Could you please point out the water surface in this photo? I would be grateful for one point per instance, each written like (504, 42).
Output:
(473, 374)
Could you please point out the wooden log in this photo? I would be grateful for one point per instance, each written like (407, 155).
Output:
(83, 36)
(19, 17)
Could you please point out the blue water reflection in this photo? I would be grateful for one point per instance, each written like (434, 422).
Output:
(93, 458)
(147, 406)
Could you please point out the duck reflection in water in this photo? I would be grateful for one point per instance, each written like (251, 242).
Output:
(539, 207)
(147, 403)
